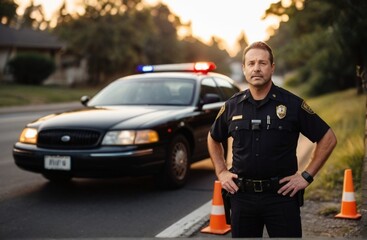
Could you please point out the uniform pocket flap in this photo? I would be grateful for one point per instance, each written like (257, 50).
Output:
(239, 125)
(281, 125)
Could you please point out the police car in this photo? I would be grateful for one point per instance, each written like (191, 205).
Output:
(155, 122)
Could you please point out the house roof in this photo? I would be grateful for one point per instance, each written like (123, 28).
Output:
(28, 38)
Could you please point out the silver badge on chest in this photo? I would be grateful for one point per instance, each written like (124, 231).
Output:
(281, 111)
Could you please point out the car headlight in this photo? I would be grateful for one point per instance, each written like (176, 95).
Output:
(28, 135)
(129, 137)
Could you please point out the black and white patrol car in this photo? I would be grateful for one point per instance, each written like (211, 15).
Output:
(155, 122)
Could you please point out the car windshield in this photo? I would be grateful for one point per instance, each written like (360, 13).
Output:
(146, 92)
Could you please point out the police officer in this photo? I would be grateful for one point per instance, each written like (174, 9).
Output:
(264, 183)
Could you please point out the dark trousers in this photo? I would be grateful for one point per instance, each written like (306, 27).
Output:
(252, 211)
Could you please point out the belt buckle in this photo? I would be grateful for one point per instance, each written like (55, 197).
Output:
(258, 185)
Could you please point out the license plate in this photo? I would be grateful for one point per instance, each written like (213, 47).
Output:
(58, 162)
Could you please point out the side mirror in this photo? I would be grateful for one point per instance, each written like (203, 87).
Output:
(84, 100)
(209, 98)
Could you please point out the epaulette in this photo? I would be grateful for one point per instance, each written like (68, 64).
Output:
(239, 94)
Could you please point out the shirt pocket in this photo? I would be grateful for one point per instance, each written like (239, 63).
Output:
(281, 125)
(240, 132)
(281, 133)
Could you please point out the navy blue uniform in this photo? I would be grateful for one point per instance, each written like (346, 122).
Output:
(265, 136)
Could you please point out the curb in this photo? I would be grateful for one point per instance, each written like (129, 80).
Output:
(189, 225)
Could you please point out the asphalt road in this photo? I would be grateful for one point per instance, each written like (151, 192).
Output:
(33, 208)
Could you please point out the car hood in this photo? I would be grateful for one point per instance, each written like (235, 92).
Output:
(108, 117)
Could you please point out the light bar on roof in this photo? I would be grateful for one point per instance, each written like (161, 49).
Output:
(203, 67)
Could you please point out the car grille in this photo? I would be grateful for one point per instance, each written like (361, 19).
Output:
(68, 139)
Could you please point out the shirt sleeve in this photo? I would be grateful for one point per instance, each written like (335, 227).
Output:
(219, 129)
(312, 126)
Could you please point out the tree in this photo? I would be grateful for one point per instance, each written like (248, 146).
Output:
(242, 42)
(117, 36)
(33, 17)
(322, 43)
(7, 11)
(63, 16)
(162, 45)
(351, 24)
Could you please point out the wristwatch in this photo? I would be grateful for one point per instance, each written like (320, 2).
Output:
(307, 176)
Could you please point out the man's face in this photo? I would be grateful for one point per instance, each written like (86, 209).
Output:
(257, 68)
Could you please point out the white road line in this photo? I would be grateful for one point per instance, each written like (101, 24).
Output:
(189, 224)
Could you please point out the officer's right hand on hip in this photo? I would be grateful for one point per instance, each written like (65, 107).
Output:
(226, 179)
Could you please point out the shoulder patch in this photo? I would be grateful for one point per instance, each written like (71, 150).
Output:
(307, 108)
(221, 111)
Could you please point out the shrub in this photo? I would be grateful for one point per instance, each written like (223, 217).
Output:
(31, 68)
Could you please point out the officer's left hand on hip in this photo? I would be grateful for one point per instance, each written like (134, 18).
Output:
(293, 184)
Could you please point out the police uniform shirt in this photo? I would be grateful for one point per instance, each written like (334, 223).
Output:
(265, 133)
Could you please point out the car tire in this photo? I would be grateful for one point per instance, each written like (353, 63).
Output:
(57, 178)
(177, 165)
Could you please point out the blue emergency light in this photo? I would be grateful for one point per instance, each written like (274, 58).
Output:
(145, 68)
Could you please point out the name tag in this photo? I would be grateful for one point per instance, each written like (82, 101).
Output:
(238, 117)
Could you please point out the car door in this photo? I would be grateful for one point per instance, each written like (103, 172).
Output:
(206, 117)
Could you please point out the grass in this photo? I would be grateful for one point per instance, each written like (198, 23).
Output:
(18, 95)
(344, 111)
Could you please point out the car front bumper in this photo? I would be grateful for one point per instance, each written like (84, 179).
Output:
(101, 162)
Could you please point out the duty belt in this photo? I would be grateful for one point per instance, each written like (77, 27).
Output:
(258, 185)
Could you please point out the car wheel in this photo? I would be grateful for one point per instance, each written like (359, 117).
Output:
(177, 164)
(57, 178)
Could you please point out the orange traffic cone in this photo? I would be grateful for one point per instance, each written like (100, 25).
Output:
(217, 223)
(349, 206)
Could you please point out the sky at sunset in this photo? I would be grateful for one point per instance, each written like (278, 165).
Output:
(224, 19)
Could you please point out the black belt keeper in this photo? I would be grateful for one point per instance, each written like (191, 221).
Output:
(258, 186)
